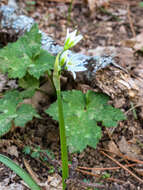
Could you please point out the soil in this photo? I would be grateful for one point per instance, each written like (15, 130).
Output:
(110, 26)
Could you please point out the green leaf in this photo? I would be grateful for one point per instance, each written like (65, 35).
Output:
(25, 113)
(101, 111)
(141, 4)
(5, 125)
(28, 81)
(26, 56)
(19, 171)
(81, 114)
(26, 150)
(95, 99)
(81, 132)
(13, 97)
(30, 42)
(14, 61)
(30, 2)
(49, 153)
(28, 93)
(43, 62)
(11, 109)
(35, 154)
(8, 110)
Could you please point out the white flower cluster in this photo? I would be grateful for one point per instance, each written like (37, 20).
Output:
(72, 63)
(71, 39)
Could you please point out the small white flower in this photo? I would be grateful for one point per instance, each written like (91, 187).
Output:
(71, 39)
(74, 64)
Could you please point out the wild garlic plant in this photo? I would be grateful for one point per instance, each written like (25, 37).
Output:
(73, 65)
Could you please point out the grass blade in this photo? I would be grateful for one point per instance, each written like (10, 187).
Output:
(19, 171)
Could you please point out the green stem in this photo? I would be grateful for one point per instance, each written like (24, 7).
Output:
(69, 11)
(64, 152)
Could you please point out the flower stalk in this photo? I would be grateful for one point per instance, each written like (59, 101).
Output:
(63, 62)
(64, 152)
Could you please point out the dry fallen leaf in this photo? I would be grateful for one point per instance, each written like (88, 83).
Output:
(130, 150)
(112, 147)
(138, 70)
(92, 5)
(135, 43)
(41, 96)
(138, 42)
(55, 182)
(97, 3)
(12, 150)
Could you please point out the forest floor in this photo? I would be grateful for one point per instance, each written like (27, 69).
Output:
(113, 27)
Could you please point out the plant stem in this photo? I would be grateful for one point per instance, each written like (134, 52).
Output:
(64, 152)
(69, 11)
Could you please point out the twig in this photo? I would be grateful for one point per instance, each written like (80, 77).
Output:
(132, 108)
(103, 169)
(88, 173)
(61, 1)
(130, 20)
(124, 157)
(121, 165)
(133, 159)
(99, 176)
(93, 185)
(31, 172)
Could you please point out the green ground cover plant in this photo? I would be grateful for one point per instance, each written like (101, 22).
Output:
(13, 112)
(80, 115)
